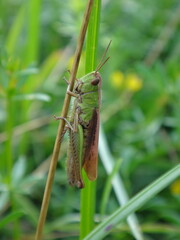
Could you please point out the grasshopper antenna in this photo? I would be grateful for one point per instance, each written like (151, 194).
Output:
(102, 61)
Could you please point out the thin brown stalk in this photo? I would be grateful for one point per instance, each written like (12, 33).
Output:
(57, 145)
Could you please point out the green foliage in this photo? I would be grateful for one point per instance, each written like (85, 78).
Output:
(140, 112)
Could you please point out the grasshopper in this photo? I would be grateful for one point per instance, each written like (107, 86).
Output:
(83, 126)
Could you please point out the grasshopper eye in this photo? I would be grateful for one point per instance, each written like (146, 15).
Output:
(95, 81)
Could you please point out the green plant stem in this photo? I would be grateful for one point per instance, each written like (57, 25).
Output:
(88, 193)
(9, 160)
(9, 157)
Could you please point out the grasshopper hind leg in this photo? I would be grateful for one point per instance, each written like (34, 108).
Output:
(74, 160)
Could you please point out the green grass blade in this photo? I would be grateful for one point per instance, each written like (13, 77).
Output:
(134, 204)
(92, 37)
(9, 131)
(33, 30)
(117, 183)
(10, 218)
(15, 31)
(108, 186)
(88, 193)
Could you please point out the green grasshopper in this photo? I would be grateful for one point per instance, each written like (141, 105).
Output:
(83, 127)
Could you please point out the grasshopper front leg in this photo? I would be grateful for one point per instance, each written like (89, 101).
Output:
(72, 94)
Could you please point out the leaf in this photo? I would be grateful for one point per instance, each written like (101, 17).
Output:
(33, 96)
(19, 170)
(10, 218)
(4, 199)
(28, 208)
(28, 71)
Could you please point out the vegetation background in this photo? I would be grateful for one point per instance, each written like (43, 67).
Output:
(140, 111)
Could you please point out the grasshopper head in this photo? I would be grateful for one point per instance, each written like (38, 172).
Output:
(89, 83)
(97, 79)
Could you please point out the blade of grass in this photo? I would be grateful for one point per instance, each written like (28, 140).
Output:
(108, 186)
(117, 183)
(134, 204)
(88, 193)
(11, 217)
(33, 30)
(14, 33)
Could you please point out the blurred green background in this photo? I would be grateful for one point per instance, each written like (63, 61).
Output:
(140, 110)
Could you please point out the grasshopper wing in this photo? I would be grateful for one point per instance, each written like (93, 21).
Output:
(90, 160)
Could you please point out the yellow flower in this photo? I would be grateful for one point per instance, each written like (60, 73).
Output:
(117, 79)
(175, 187)
(133, 82)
